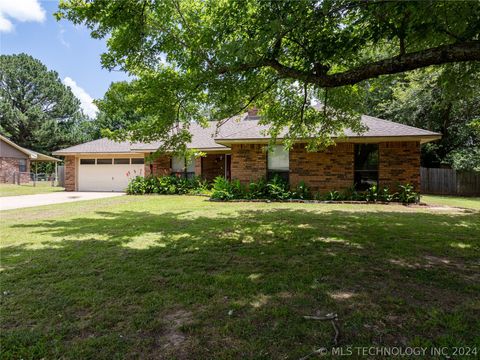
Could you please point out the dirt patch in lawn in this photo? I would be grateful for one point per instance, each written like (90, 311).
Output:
(173, 339)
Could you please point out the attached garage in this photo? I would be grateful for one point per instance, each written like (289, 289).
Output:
(108, 173)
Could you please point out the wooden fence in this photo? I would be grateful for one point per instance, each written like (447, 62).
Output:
(449, 182)
(61, 175)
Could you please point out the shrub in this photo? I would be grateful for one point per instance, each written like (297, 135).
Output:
(167, 185)
(278, 189)
(222, 189)
(137, 186)
(302, 192)
(334, 195)
(257, 190)
(275, 189)
(371, 194)
(406, 194)
(384, 195)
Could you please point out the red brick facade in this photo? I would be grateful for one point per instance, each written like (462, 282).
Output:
(9, 171)
(160, 166)
(198, 166)
(70, 173)
(213, 165)
(399, 163)
(332, 169)
(323, 171)
(249, 162)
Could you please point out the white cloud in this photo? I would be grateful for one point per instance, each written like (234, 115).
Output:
(20, 10)
(86, 101)
(61, 37)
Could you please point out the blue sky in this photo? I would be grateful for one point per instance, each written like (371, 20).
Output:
(29, 26)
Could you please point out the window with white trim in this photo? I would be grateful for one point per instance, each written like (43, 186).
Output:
(191, 165)
(366, 166)
(278, 162)
(182, 167)
(178, 164)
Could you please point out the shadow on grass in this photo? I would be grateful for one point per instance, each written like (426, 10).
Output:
(180, 284)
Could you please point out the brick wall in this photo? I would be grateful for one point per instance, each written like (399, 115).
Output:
(160, 166)
(249, 162)
(70, 173)
(399, 163)
(9, 171)
(198, 166)
(213, 165)
(332, 169)
(322, 171)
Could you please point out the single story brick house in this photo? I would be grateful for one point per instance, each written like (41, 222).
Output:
(387, 153)
(15, 161)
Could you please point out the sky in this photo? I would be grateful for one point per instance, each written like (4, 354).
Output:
(28, 26)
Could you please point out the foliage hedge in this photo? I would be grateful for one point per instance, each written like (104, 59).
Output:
(274, 189)
(278, 189)
(167, 185)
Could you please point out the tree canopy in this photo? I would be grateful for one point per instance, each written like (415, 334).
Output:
(37, 110)
(444, 99)
(194, 59)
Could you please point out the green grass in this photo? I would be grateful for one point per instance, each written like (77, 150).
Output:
(28, 189)
(182, 277)
(457, 201)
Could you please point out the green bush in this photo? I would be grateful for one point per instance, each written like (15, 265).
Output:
(406, 194)
(258, 190)
(275, 189)
(372, 194)
(223, 189)
(302, 192)
(278, 189)
(166, 185)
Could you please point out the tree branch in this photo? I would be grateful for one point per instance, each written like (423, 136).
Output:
(457, 52)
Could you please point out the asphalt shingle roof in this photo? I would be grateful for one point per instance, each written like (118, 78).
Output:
(103, 145)
(245, 129)
(202, 138)
(242, 127)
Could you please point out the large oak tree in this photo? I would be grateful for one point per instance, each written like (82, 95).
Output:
(195, 59)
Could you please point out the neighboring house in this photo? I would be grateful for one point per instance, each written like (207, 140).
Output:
(15, 161)
(387, 154)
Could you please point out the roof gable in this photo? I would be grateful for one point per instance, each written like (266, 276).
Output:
(32, 155)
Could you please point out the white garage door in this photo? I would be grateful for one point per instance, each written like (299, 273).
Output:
(111, 174)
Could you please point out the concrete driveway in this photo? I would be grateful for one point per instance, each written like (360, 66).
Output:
(23, 201)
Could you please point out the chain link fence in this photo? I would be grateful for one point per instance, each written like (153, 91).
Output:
(30, 179)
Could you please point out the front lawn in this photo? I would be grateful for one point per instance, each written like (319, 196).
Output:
(28, 189)
(464, 202)
(182, 277)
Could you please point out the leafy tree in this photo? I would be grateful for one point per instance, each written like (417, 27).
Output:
(429, 99)
(193, 59)
(37, 110)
